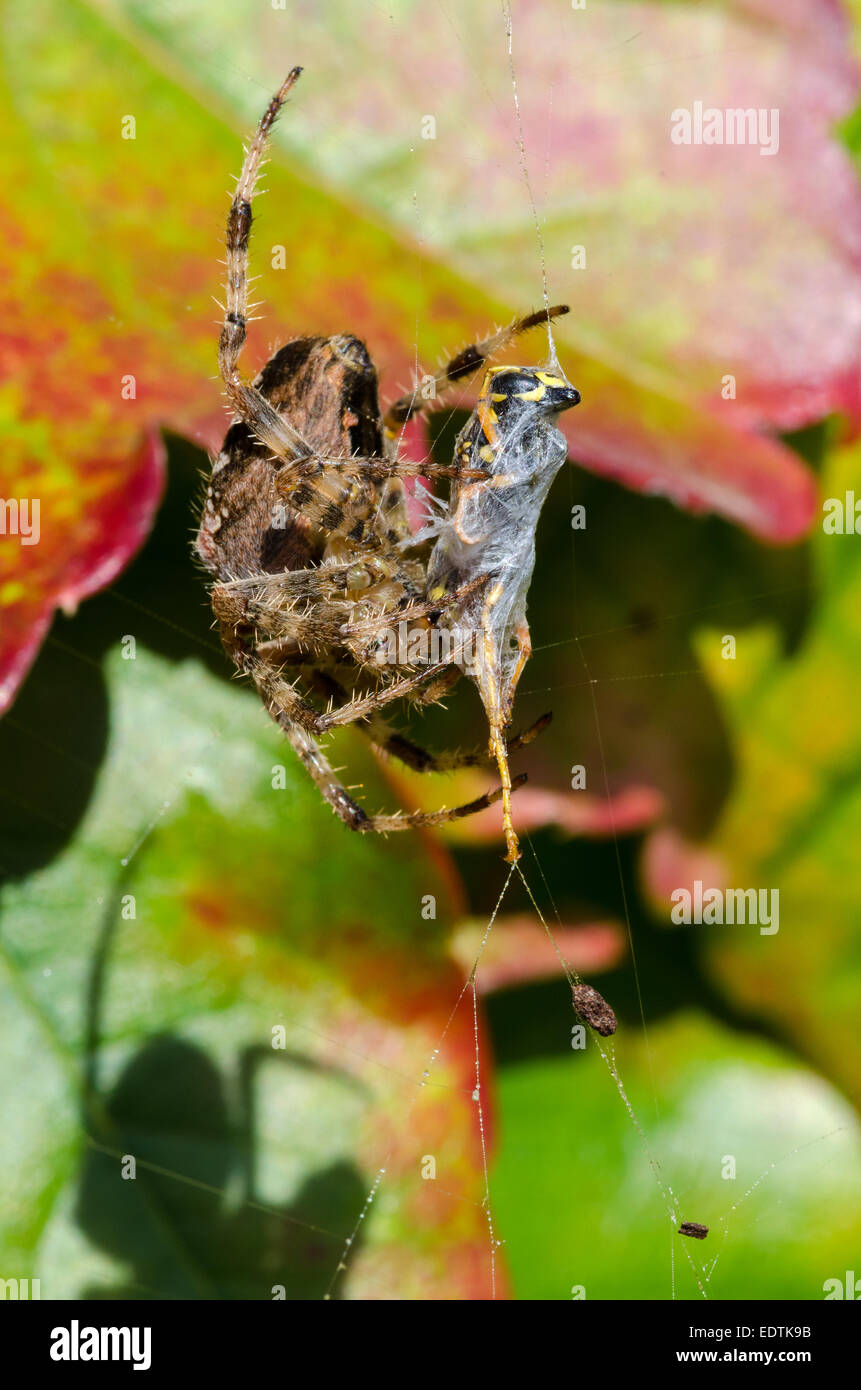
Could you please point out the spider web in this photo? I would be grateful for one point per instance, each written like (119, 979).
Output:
(466, 999)
(528, 875)
(702, 1271)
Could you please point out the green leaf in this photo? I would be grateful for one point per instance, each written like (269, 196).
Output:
(578, 1203)
(793, 821)
(197, 906)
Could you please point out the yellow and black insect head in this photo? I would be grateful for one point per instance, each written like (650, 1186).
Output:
(508, 389)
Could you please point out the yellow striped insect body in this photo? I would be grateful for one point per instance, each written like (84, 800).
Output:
(488, 531)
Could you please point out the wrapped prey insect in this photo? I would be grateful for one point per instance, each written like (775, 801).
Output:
(488, 530)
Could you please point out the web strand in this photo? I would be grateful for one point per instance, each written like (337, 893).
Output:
(524, 165)
(469, 985)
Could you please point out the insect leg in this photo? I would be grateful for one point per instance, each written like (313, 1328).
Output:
(525, 652)
(497, 718)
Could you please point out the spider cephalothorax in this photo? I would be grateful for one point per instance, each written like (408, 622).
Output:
(305, 531)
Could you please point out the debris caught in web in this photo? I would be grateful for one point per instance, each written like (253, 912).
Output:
(693, 1228)
(593, 1007)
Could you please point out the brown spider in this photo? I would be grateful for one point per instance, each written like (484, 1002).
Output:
(305, 529)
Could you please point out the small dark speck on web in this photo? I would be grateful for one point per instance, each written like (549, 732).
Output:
(693, 1228)
(642, 618)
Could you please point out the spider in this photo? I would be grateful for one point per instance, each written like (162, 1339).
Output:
(305, 530)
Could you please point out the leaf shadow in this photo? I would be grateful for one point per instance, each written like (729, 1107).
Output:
(54, 738)
(168, 1185)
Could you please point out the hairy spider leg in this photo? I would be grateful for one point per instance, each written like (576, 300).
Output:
(283, 694)
(350, 811)
(332, 493)
(468, 361)
(249, 404)
(396, 744)
(327, 582)
(321, 627)
(329, 492)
